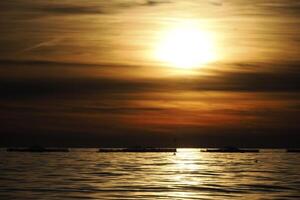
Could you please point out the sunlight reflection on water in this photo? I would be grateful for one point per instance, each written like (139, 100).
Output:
(84, 173)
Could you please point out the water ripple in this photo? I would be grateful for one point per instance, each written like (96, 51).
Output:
(190, 174)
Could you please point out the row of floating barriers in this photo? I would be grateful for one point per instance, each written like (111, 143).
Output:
(144, 150)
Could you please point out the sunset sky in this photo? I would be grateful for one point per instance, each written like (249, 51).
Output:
(136, 72)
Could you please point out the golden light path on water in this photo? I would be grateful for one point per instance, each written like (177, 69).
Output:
(190, 174)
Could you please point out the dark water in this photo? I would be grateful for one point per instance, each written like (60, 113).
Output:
(190, 174)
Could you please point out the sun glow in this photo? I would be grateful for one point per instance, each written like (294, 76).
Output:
(186, 47)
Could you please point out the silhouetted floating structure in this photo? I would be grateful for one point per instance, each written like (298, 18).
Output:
(293, 150)
(38, 149)
(231, 150)
(137, 150)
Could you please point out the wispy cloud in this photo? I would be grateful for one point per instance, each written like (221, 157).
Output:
(71, 9)
(48, 43)
(216, 2)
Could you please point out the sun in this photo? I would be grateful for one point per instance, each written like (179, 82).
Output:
(186, 47)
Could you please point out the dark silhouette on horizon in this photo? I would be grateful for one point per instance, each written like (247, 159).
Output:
(293, 150)
(231, 150)
(137, 150)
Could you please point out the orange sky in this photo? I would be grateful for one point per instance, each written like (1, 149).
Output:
(100, 70)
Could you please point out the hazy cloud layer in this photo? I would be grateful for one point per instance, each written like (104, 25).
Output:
(71, 8)
(21, 85)
(81, 72)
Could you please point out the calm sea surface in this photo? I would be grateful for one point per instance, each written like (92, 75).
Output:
(190, 174)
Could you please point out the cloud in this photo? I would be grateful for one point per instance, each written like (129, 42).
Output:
(59, 78)
(30, 10)
(67, 9)
(50, 7)
(142, 3)
(44, 44)
(280, 81)
(73, 86)
(216, 2)
(156, 2)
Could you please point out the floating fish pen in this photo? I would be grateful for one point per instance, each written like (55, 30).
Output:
(137, 150)
(293, 150)
(231, 150)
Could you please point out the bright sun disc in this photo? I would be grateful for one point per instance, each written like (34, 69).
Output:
(186, 47)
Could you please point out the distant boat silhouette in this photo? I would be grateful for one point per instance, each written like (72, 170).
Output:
(231, 150)
(37, 149)
(137, 150)
(293, 150)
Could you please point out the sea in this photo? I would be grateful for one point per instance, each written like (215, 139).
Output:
(190, 174)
